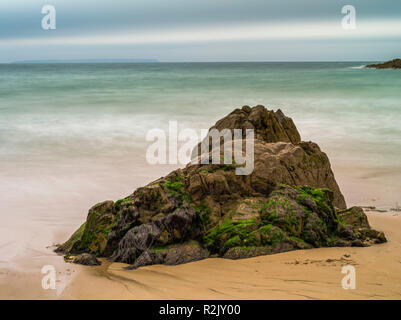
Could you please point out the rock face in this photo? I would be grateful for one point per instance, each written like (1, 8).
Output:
(269, 126)
(86, 259)
(392, 64)
(290, 201)
(280, 155)
(93, 233)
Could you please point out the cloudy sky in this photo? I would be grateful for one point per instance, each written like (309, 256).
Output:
(207, 30)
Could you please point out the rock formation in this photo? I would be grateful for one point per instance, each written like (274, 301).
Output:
(392, 64)
(86, 259)
(290, 201)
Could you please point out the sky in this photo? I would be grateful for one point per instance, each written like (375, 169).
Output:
(207, 30)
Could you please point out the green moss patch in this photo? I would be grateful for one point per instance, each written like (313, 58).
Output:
(231, 234)
(97, 227)
(204, 213)
(175, 188)
(119, 203)
(76, 236)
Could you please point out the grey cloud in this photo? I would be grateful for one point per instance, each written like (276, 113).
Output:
(90, 16)
(22, 19)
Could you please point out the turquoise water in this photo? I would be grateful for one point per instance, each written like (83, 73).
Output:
(74, 134)
(80, 109)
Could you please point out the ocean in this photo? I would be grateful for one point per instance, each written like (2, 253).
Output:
(72, 135)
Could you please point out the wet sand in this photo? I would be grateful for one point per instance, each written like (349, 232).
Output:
(304, 274)
(56, 211)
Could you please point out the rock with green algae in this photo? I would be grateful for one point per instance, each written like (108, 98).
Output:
(354, 221)
(92, 236)
(290, 201)
(289, 218)
(76, 236)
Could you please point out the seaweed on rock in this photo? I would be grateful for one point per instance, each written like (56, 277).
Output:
(290, 201)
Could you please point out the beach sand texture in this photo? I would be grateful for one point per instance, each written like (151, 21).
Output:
(303, 274)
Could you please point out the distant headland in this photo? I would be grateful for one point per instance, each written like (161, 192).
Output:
(86, 61)
(392, 64)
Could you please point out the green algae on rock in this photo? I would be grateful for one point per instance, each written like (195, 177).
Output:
(291, 201)
(91, 237)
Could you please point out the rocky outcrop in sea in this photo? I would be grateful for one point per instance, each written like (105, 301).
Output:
(392, 64)
(290, 201)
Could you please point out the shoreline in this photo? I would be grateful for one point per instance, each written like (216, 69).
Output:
(301, 274)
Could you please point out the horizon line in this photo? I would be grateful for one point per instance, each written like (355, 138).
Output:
(143, 61)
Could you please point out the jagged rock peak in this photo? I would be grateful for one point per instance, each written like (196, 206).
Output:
(270, 126)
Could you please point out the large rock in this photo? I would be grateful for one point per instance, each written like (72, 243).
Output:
(290, 201)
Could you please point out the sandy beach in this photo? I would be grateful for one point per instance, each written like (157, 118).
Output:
(303, 274)
(209, 150)
(58, 160)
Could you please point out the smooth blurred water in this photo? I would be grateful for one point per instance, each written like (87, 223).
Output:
(74, 134)
(78, 110)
